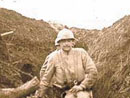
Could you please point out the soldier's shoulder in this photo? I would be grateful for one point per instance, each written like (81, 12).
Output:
(53, 55)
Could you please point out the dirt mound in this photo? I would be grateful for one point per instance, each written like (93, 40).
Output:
(112, 57)
(27, 47)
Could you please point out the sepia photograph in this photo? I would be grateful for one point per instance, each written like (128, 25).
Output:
(64, 49)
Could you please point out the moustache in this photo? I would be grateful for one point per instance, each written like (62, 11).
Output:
(66, 46)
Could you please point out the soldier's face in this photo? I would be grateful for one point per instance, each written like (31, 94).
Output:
(66, 44)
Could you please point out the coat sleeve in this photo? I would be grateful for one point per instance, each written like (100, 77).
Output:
(43, 68)
(49, 72)
(90, 71)
(45, 64)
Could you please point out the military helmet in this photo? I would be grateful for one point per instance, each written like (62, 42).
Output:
(56, 43)
(65, 34)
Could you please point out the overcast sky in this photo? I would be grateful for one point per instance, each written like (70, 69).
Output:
(89, 14)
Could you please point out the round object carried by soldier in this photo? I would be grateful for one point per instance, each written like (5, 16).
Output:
(74, 71)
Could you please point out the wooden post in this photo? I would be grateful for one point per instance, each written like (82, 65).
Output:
(6, 33)
(21, 91)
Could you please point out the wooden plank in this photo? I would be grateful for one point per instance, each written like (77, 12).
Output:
(6, 33)
(20, 91)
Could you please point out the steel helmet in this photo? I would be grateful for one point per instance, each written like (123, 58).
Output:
(65, 34)
(56, 43)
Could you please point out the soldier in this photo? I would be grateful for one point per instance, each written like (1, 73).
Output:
(74, 71)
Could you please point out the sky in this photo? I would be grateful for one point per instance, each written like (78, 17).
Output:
(88, 14)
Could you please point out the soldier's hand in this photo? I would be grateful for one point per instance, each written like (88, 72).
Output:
(39, 93)
(76, 88)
